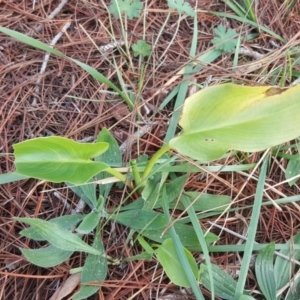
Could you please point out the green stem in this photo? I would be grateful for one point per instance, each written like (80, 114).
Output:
(154, 159)
(116, 174)
(135, 173)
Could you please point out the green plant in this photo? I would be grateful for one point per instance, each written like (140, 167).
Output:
(182, 7)
(141, 48)
(272, 277)
(132, 8)
(225, 39)
(214, 121)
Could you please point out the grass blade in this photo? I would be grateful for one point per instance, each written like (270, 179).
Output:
(252, 231)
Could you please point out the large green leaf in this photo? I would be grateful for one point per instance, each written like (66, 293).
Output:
(58, 159)
(228, 116)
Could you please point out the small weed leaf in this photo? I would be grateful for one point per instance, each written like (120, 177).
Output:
(59, 237)
(182, 7)
(225, 39)
(264, 270)
(89, 222)
(46, 257)
(293, 169)
(66, 222)
(168, 257)
(141, 48)
(132, 8)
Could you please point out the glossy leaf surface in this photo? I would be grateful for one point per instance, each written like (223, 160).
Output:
(58, 159)
(224, 117)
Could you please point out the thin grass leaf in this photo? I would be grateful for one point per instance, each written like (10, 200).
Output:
(191, 212)
(252, 231)
(243, 11)
(183, 88)
(42, 46)
(243, 248)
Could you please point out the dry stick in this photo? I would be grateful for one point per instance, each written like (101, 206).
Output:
(45, 61)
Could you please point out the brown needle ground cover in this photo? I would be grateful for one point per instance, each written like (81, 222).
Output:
(29, 109)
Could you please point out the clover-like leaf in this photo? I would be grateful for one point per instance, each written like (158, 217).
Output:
(141, 48)
(225, 39)
(182, 7)
(132, 8)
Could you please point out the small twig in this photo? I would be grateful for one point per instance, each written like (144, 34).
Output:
(46, 59)
(252, 53)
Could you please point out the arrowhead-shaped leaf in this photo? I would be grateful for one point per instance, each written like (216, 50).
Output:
(224, 117)
(58, 159)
